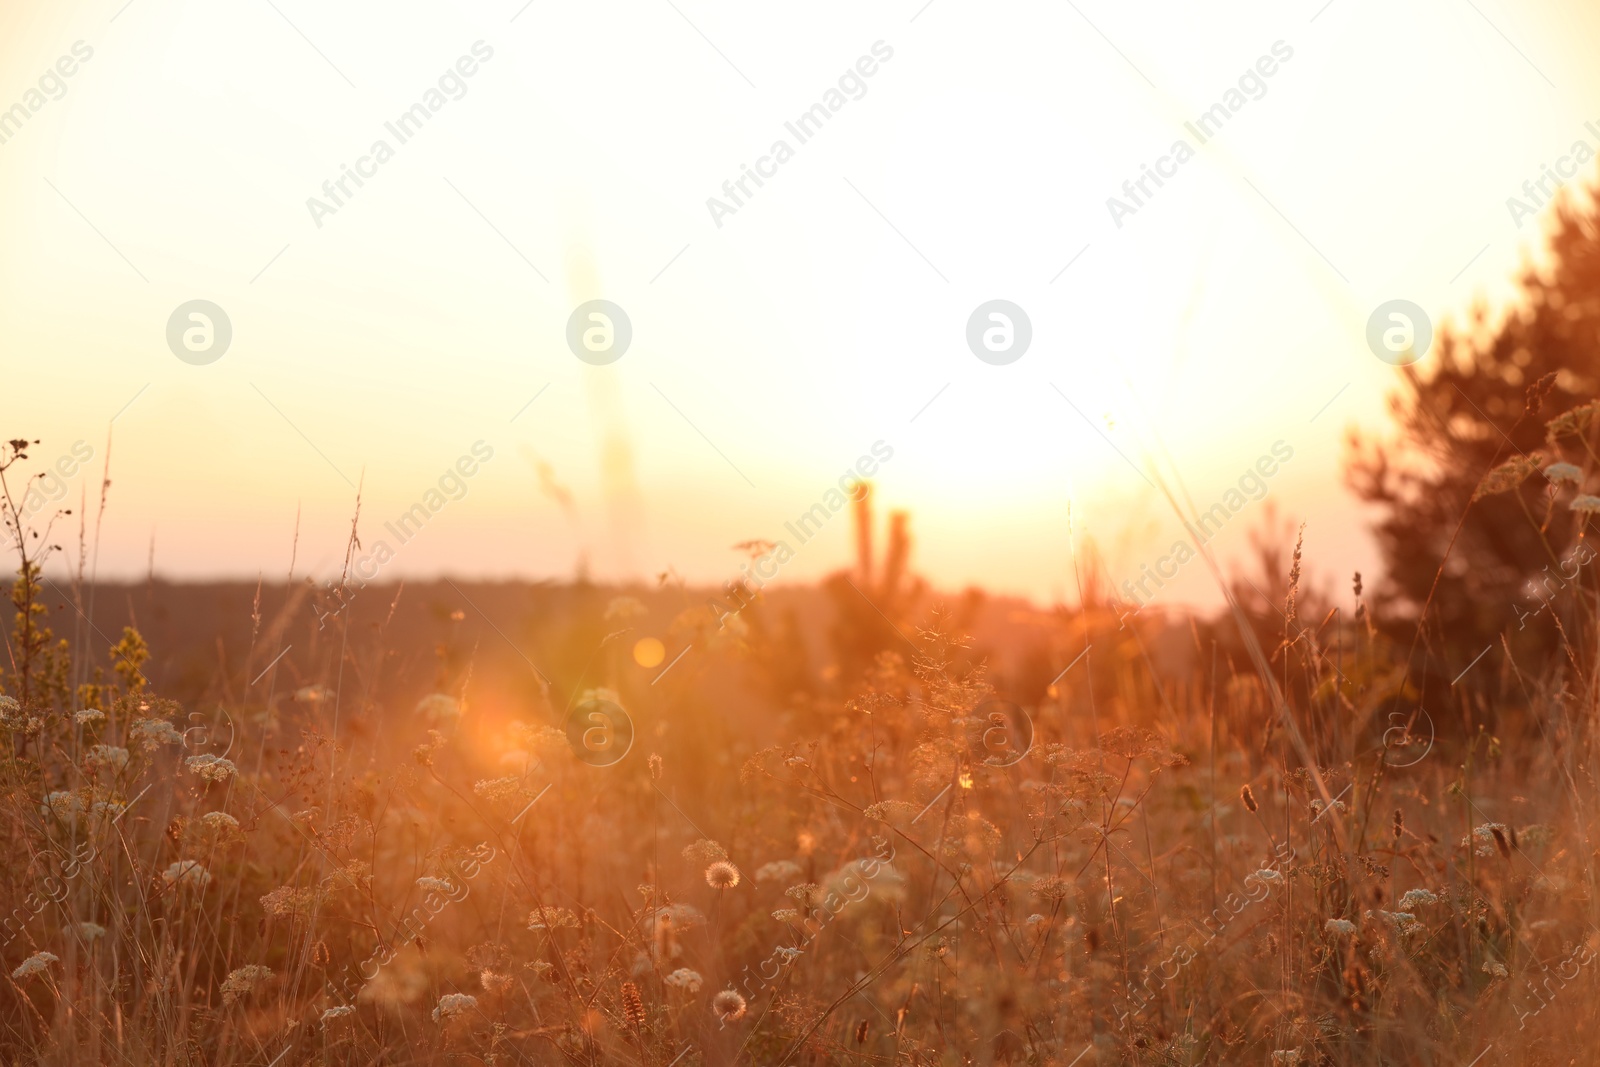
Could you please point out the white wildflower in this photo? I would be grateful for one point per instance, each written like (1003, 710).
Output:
(1289, 1057)
(211, 768)
(1564, 472)
(685, 979)
(88, 717)
(108, 808)
(552, 918)
(91, 931)
(452, 1004)
(435, 885)
(219, 822)
(498, 788)
(243, 981)
(37, 963)
(63, 804)
(1340, 927)
(106, 756)
(1415, 898)
(778, 871)
(1496, 969)
(1268, 875)
(335, 1014)
(187, 873)
(1482, 840)
(148, 733)
(1585, 504)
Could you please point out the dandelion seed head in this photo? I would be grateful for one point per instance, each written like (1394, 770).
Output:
(728, 1005)
(722, 875)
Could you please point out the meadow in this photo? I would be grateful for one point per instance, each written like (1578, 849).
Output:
(858, 823)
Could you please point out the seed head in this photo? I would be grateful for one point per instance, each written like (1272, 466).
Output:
(632, 1005)
(1249, 798)
(728, 1005)
(722, 875)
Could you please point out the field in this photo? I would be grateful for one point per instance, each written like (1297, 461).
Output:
(859, 823)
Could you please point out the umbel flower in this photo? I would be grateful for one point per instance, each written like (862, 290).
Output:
(38, 963)
(187, 873)
(1563, 472)
(452, 1004)
(148, 733)
(1585, 504)
(242, 982)
(685, 979)
(211, 768)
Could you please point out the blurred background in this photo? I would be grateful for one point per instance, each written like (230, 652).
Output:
(375, 345)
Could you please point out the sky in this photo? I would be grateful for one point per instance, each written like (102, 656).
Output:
(559, 154)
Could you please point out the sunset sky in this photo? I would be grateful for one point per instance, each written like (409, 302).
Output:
(771, 347)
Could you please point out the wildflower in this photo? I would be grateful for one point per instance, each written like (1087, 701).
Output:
(722, 875)
(242, 982)
(435, 885)
(1268, 875)
(148, 733)
(1403, 922)
(1495, 968)
(289, 900)
(63, 804)
(789, 955)
(211, 768)
(90, 931)
(111, 808)
(439, 707)
(728, 1005)
(552, 919)
(498, 788)
(786, 915)
(106, 756)
(495, 983)
(803, 891)
(9, 709)
(778, 871)
(1585, 504)
(1289, 1057)
(333, 1015)
(89, 717)
(1564, 472)
(219, 822)
(632, 1005)
(1485, 838)
(1052, 887)
(704, 851)
(1417, 897)
(1035, 919)
(1510, 474)
(1340, 927)
(452, 1004)
(685, 979)
(38, 963)
(1317, 807)
(187, 873)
